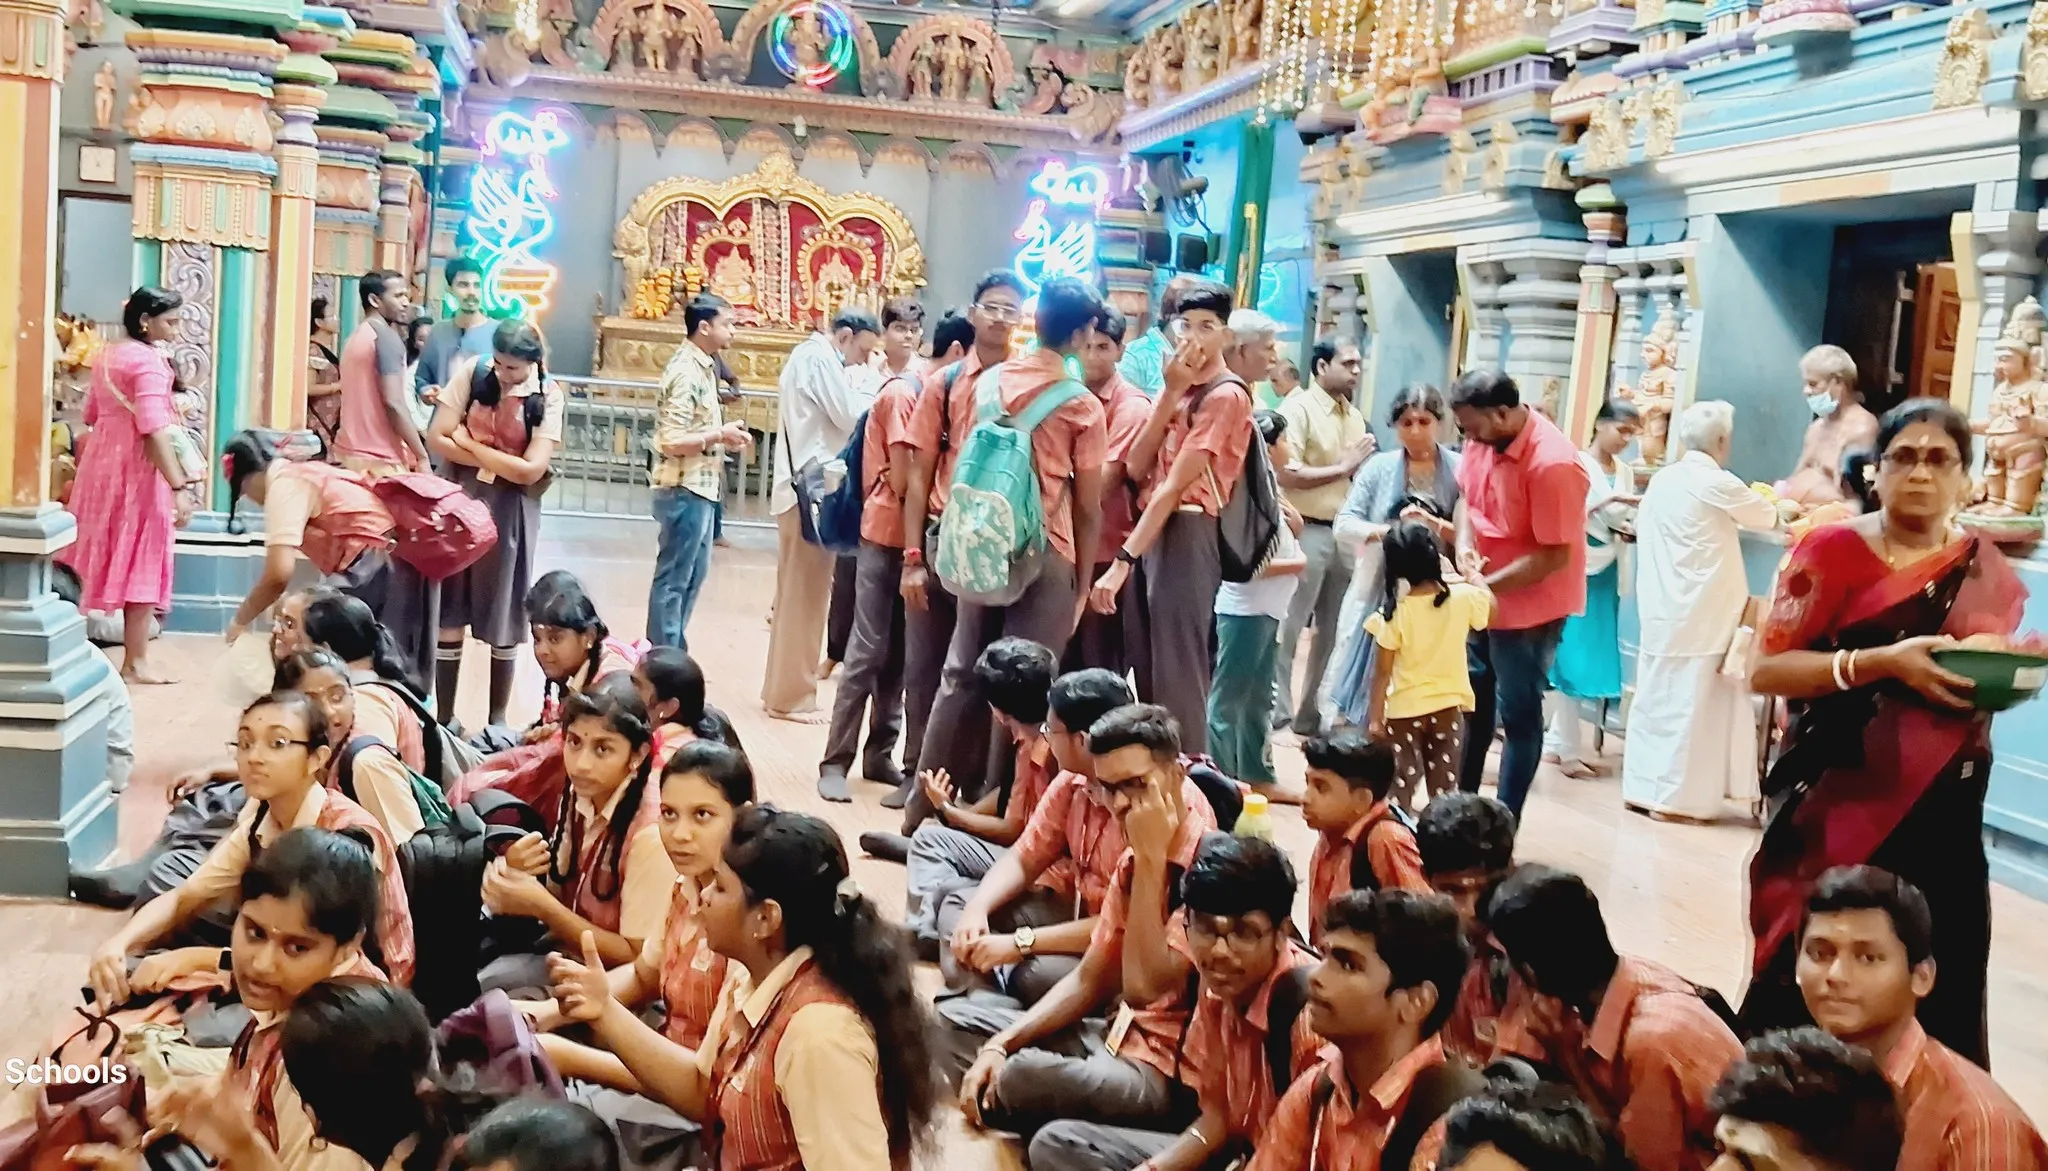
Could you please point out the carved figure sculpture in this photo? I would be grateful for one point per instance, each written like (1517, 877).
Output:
(1427, 82)
(629, 244)
(981, 75)
(1204, 46)
(2034, 55)
(732, 277)
(1965, 63)
(834, 288)
(953, 68)
(1458, 161)
(655, 27)
(1138, 76)
(922, 69)
(689, 47)
(1657, 392)
(807, 40)
(906, 273)
(2016, 429)
(103, 97)
(1171, 57)
(1606, 138)
(624, 44)
(1247, 18)
(1091, 114)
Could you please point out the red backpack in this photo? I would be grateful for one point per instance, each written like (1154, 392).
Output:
(440, 530)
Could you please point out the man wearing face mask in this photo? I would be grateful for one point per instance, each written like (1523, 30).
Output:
(1840, 423)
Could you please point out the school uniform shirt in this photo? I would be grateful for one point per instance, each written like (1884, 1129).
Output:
(256, 1066)
(823, 1062)
(881, 514)
(1430, 670)
(1389, 845)
(682, 967)
(640, 907)
(1653, 1054)
(1524, 497)
(384, 789)
(1957, 1118)
(1347, 1130)
(554, 405)
(1320, 429)
(1220, 424)
(1470, 1032)
(950, 413)
(1073, 437)
(381, 713)
(326, 513)
(1151, 1034)
(1072, 844)
(1125, 410)
(1226, 1052)
(219, 876)
(1035, 767)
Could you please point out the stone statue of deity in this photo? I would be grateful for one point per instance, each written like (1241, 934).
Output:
(922, 72)
(656, 26)
(953, 68)
(1169, 57)
(2016, 428)
(1138, 76)
(1657, 391)
(1205, 35)
(732, 277)
(1246, 19)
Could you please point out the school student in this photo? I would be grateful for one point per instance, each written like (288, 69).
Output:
(572, 645)
(1028, 922)
(1248, 617)
(1866, 960)
(822, 1062)
(604, 871)
(1189, 458)
(534, 1134)
(1422, 686)
(1392, 963)
(954, 851)
(1038, 1065)
(1068, 449)
(388, 700)
(1361, 839)
(1803, 1101)
(1525, 1127)
(1239, 895)
(671, 684)
(704, 788)
(281, 758)
(362, 768)
(1468, 846)
(1637, 1040)
(497, 424)
(1115, 639)
(334, 520)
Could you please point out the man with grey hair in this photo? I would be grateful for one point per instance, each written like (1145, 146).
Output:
(1691, 729)
(1841, 423)
(1254, 351)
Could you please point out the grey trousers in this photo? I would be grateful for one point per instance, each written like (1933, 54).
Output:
(1073, 1076)
(1181, 576)
(1026, 981)
(927, 633)
(953, 739)
(1115, 642)
(1320, 596)
(839, 617)
(942, 860)
(871, 681)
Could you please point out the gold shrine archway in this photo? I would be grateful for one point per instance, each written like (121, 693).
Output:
(787, 253)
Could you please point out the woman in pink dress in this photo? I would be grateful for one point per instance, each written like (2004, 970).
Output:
(129, 471)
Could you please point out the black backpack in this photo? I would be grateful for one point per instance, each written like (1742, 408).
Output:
(1249, 528)
(443, 867)
(1362, 876)
(1225, 796)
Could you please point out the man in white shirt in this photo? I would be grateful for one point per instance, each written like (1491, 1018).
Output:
(820, 403)
(1691, 729)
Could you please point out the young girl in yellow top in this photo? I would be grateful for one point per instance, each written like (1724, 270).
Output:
(1421, 687)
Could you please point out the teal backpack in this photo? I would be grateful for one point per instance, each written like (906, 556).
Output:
(991, 543)
(434, 808)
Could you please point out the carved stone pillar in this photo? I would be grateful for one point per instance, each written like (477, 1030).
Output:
(1630, 321)
(1485, 331)
(1541, 302)
(1593, 341)
(291, 252)
(2005, 243)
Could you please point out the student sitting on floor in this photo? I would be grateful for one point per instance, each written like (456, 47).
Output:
(1050, 1062)
(1238, 895)
(671, 684)
(366, 769)
(1638, 1041)
(1526, 1127)
(1866, 960)
(704, 788)
(954, 851)
(389, 702)
(1799, 1100)
(281, 755)
(823, 1062)
(1347, 806)
(533, 1134)
(1029, 921)
(1468, 846)
(604, 870)
(1393, 961)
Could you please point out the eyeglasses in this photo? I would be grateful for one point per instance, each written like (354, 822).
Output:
(1243, 934)
(999, 312)
(265, 745)
(1127, 788)
(1934, 459)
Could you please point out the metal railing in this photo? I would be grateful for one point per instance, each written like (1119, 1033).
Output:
(607, 437)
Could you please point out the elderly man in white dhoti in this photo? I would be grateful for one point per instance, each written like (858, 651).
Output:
(1691, 728)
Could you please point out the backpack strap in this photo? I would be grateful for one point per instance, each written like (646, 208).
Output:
(1041, 407)
(345, 764)
(1431, 1096)
(1283, 1008)
(948, 377)
(430, 728)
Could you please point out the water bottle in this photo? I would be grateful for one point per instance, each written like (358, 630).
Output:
(1257, 819)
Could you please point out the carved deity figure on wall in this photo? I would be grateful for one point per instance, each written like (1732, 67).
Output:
(834, 288)
(2015, 429)
(1170, 58)
(1657, 391)
(624, 43)
(1247, 18)
(981, 75)
(656, 25)
(1138, 76)
(1205, 36)
(103, 97)
(807, 40)
(923, 70)
(953, 68)
(732, 277)
(1965, 63)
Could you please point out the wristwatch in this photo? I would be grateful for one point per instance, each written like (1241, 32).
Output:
(1126, 556)
(1027, 938)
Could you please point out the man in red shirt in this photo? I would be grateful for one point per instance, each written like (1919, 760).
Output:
(1468, 845)
(1636, 1040)
(1800, 1100)
(1115, 640)
(1033, 1067)
(1524, 513)
(1252, 985)
(1189, 457)
(1866, 958)
(1029, 921)
(378, 433)
(1392, 963)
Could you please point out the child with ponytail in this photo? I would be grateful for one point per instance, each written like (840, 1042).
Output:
(672, 686)
(822, 1063)
(1421, 687)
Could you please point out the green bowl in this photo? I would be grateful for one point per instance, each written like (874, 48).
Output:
(2003, 678)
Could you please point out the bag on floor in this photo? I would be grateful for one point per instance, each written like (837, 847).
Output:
(440, 529)
(433, 804)
(448, 757)
(1248, 530)
(443, 869)
(490, 1048)
(992, 543)
(69, 1114)
(532, 773)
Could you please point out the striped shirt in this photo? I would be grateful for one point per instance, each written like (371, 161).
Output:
(687, 404)
(1957, 1118)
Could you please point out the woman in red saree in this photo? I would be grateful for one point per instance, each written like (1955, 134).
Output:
(1886, 762)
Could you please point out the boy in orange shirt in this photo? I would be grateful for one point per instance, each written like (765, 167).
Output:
(1365, 843)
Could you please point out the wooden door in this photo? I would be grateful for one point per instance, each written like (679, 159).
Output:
(1937, 309)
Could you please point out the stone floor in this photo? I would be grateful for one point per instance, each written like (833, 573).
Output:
(1672, 893)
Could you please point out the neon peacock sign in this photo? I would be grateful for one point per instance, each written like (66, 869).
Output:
(509, 212)
(1057, 237)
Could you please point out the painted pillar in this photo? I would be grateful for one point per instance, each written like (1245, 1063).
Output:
(1253, 195)
(56, 811)
(2003, 242)
(345, 217)
(1486, 328)
(389, 66)
(291, 252)
(1631, 325)
(1593, 340)
(1540, 302)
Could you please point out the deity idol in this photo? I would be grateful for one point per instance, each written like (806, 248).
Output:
(2014, 447)
(1657, 391)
